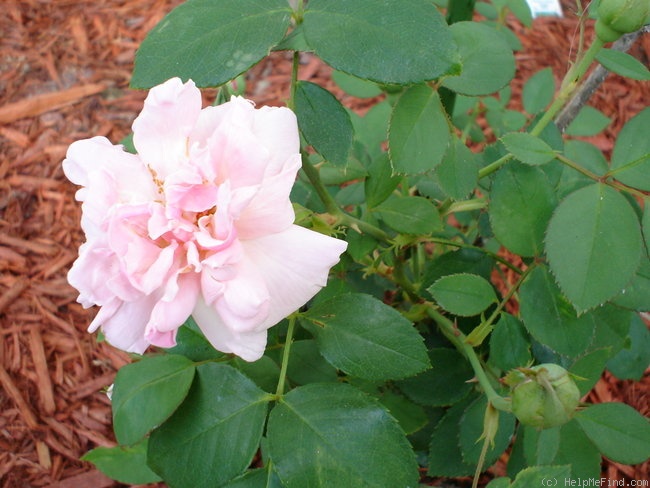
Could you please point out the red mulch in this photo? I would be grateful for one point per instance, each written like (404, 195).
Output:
(64, 71)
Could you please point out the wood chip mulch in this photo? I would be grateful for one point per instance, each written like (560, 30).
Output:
(64, 72)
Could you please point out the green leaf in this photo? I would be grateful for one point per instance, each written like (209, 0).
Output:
(410, 215)
(578, 451)
(126, 464)
(539, 475)
(321, 434)
(458, 172)
(528, 148)
(540, 446)
(646, 227)
(589, 122)
(419, 131)
(463, 294)
(589, 368)
(264, 372)
(521, 204)
(538, 91)
(487, 60)
(147, 392)
(501, 482)
(632, 361)
(355, 86)
(631, 155)
(593, 243)
(550, 318)
(210, 42)
(323, 122)
(635, 295)
(411, 417)
(472, 261)
(221, 420)
(380, 182)
(256, 478)
(618, 431)
(381, 41)
(366, 338)
(307, 365)
(372, 129)
(444, 384)
(471, 429)
(445, 456)
(586, 155)
(509, 344)
(623, 64)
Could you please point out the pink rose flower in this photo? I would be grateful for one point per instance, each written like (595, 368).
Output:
(198, 223)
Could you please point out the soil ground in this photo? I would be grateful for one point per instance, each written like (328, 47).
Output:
(64, 73)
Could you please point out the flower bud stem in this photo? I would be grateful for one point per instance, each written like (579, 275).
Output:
(457, 338)
(285, 356)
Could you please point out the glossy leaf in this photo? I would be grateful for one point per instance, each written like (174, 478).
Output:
(321, 434)
(222, 404)
(126, 464)
(538, 91)
(589, 122)
(445, 455)
(618, 431)
(631, 155)
(381, 41)
(366, 338)
(471, 429)
(307, 365)
(521, 204)
(632, 361)
(458, 172)
(323, 122)
(210, 42)
(355, 86)
(410, 215)
(444, 384)
(463, 294)
(509, 344)
(380, 182)
(538, 475)
(593, 243)
(623, 64)
(487, 60)
(550, 318)
(256, 478)
(527, 148)
(419, 131)
(147, 392)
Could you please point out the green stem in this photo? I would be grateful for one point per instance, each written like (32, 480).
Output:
(508, 296)
(285, 356)
(294, 81)
(569, 84)
(457, 338)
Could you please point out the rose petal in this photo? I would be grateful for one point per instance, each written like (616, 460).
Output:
(247, 345)
(295, 265)
(161, 131)
(124, 326)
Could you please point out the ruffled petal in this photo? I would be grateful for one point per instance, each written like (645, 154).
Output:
(247, 345)
(270, 211)
(123, 323)
(295, 265)
(161, 131)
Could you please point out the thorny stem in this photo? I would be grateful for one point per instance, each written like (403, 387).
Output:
(285, 356)
(567, 88)
(457, 338)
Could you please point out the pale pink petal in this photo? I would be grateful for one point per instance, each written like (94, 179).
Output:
(270, 211)
(241, 301)
(277, 129)
(161, 131)
(173, 309)
(124, 327)
(295, 265)
(247, 345)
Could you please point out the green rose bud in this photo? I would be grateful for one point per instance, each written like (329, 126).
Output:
(618, 17)
(543, 396)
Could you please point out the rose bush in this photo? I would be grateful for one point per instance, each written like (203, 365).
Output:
(198, 222)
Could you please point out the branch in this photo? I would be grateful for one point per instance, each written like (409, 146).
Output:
(593, 81)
